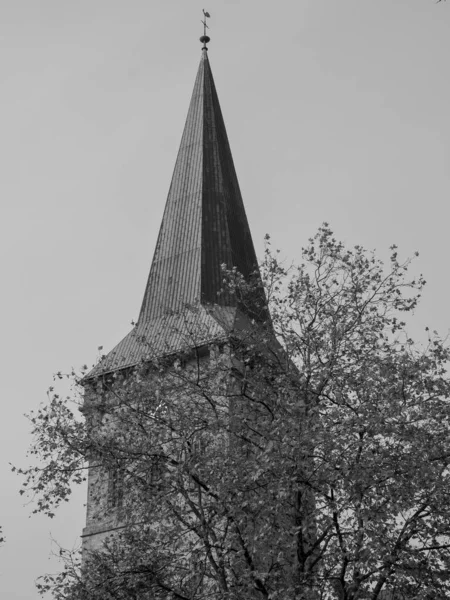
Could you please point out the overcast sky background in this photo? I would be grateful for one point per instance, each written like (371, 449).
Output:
(336, 110)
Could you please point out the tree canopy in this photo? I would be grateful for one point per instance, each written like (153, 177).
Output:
(307, 457)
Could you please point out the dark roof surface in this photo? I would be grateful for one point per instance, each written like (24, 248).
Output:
(204, 226)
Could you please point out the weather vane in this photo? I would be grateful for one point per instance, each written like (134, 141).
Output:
(205, 39)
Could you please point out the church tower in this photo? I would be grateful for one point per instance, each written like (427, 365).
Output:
(184, 308)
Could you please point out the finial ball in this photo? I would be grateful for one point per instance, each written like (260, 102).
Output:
(205, 39)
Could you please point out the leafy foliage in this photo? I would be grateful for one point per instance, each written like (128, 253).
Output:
(305, 458)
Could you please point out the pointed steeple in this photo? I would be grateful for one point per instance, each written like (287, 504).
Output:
(204, 226)
(204, 223)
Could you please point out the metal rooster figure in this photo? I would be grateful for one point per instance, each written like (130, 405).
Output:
(207, 16)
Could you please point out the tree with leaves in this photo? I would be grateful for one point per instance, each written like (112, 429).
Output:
(306, 457)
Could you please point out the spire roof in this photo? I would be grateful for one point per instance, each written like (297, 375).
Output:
(204, 226)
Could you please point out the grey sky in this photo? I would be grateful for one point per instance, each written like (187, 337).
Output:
(336, 110)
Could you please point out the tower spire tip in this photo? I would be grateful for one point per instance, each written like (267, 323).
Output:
(205, 39)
